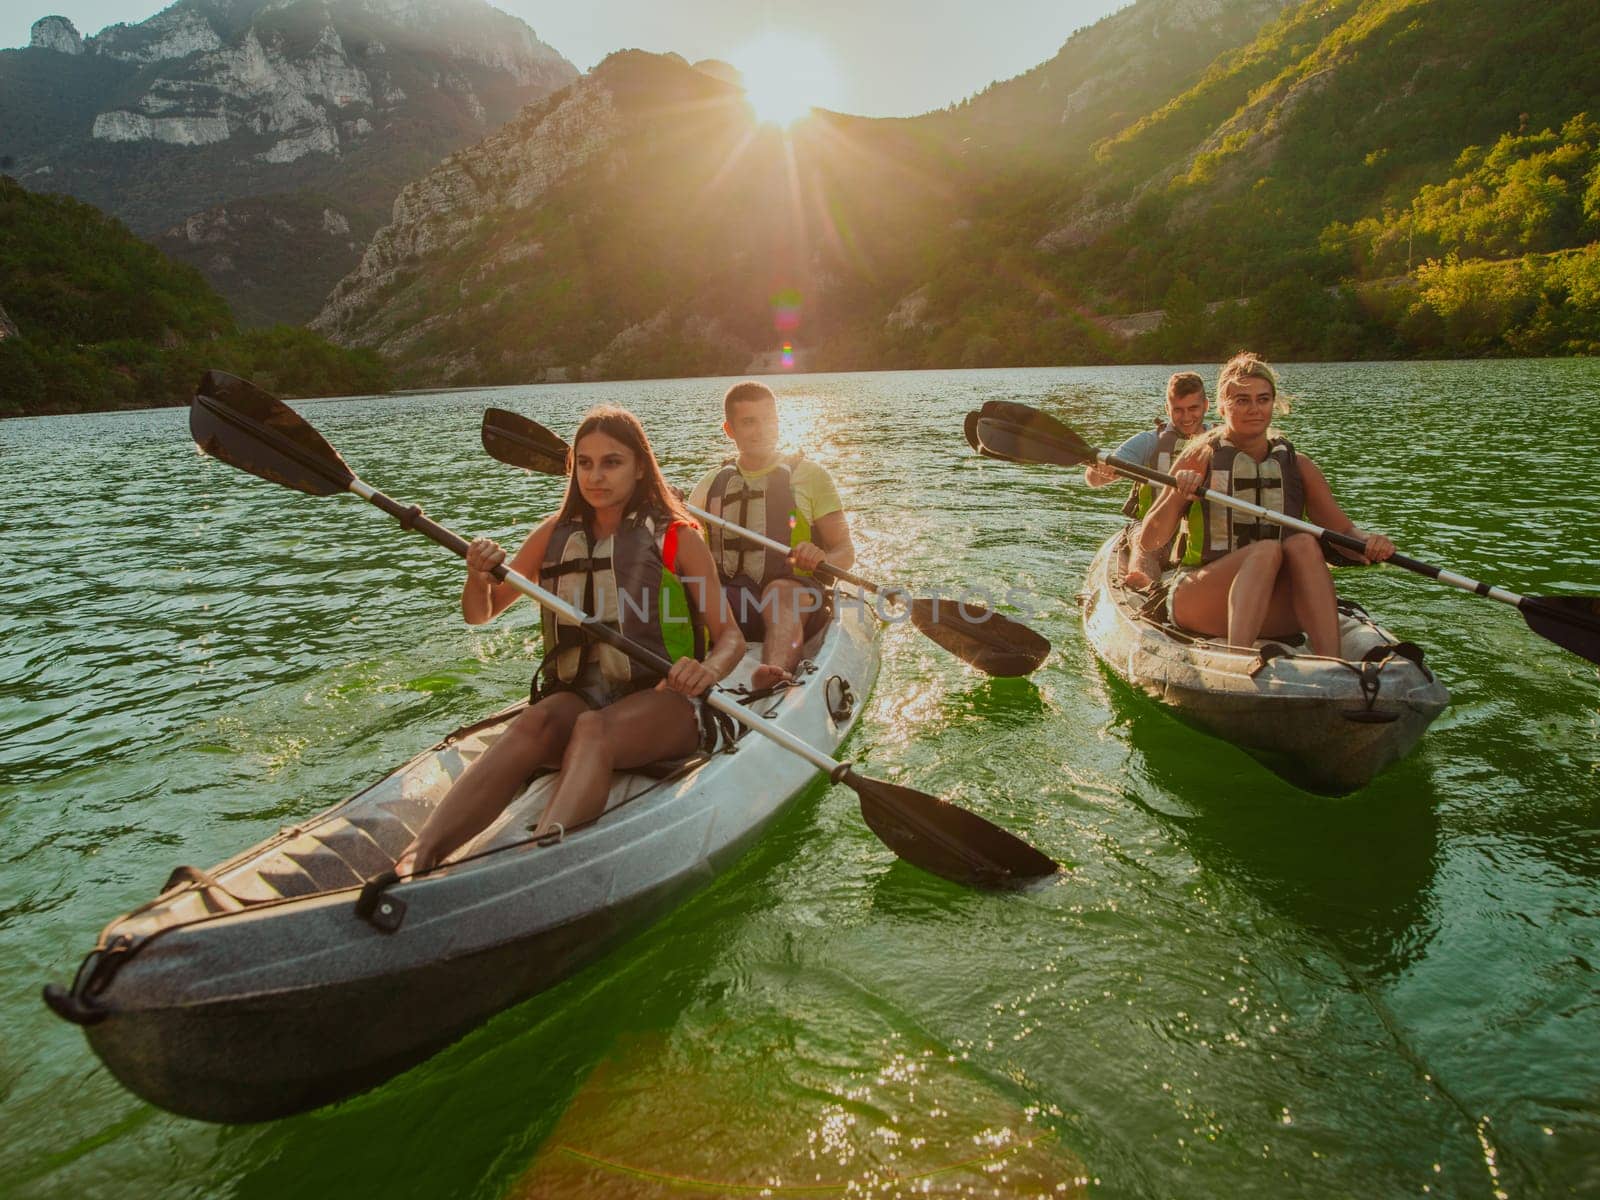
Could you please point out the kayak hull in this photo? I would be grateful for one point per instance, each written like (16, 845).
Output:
(1326, 725)
(259, 1057)
(233, 1012)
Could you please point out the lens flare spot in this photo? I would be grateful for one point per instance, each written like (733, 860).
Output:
(786, 310)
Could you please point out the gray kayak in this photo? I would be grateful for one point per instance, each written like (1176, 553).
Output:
(1325, 724)
(285, 978)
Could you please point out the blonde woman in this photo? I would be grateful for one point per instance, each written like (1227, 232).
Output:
(1242, 577)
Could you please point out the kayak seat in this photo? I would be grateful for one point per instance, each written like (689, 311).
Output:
(355, 847)
(387, 831)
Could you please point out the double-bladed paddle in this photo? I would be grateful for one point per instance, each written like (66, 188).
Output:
(246, 427)
(1021, 433)
(993, 643)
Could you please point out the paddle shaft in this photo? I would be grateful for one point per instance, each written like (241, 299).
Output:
(411, 517)
(1106, 458)
(828, 571)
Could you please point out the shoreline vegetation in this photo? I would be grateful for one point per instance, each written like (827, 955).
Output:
(98, 320)
(1497, 257)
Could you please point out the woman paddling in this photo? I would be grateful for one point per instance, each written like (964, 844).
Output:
(622, 549)
(1239, 576)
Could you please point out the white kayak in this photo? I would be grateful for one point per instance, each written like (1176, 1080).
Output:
(1326, 724)
(279, 980)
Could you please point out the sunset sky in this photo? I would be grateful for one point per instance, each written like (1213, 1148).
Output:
(873, 57)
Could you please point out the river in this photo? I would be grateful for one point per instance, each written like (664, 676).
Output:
(1237, 989)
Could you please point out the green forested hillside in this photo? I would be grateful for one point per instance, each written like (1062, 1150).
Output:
(106, 321)
(1293, 182)
(1347, 178)
(297, 101)
(1371, 108)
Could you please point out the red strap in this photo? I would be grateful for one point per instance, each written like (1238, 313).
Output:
(669, 546)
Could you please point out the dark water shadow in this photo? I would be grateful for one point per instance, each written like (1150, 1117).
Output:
(1010, 703)
(498, 1092)
(1355, 871)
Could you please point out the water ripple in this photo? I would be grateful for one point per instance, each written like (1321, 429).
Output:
(1234, 989)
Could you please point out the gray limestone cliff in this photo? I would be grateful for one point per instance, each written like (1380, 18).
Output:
(510, 169)
(55, 33)
(316, 84)
(327, 103)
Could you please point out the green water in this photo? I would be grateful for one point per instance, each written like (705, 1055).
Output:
(1237, 989)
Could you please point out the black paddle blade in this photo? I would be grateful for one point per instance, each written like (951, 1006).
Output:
(1040, 426)
(946, 840)
(1023, 445)
(971, 431)
(993, 643)
(233, 420)
(1571, 622)
(513, 438)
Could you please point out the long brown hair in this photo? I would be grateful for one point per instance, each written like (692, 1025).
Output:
(650, 492)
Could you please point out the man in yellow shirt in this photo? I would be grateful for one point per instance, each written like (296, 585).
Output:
(790, 499)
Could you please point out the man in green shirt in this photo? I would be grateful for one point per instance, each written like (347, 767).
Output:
(788, 498)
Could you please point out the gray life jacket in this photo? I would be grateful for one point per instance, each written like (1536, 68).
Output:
(628, 581)
(764, 505)
(1275, 483)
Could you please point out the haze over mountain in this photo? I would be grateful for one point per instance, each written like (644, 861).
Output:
(1179, 152)
(640, 221)
(264, 140)
(1315, 178)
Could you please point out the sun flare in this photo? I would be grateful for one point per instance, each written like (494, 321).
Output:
(786, 75)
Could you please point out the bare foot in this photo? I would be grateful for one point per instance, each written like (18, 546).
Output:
(413, 860)
(1136, 579)
(766, 675)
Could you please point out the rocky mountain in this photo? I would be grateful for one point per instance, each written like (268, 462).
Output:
(1335, 111)
(1262, 197)
(169, 122)
(243, 243)
(637, 223)
(1233, 171)
(1107, 76)
(640, 223)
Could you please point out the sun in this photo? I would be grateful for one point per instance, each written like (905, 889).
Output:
(786, 75)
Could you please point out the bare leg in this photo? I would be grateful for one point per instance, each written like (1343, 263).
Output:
(1232, 595)
(638, 729)
(781, 603)
(1144, 566)
(1311, 590)
(483, 790)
